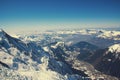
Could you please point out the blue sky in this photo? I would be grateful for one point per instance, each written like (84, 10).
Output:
(29, 14)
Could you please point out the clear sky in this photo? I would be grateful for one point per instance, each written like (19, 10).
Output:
(48, 14)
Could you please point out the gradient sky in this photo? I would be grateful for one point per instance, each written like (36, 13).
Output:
(44, 14)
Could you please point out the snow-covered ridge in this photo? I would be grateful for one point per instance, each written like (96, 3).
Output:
(2, 34)
(115, 48)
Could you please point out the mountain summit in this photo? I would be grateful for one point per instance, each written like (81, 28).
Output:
(2, 33)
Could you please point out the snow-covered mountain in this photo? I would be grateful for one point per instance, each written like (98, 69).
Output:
(107, 60)
(19, 60)
(114, 48)
(19, 50)
(52, 55)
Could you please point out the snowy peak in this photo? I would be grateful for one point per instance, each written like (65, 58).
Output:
(4, 37)
(2, 33)
(6, 40)
(115, 48)
(1, 30)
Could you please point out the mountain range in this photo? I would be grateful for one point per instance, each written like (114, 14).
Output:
(48, 60)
